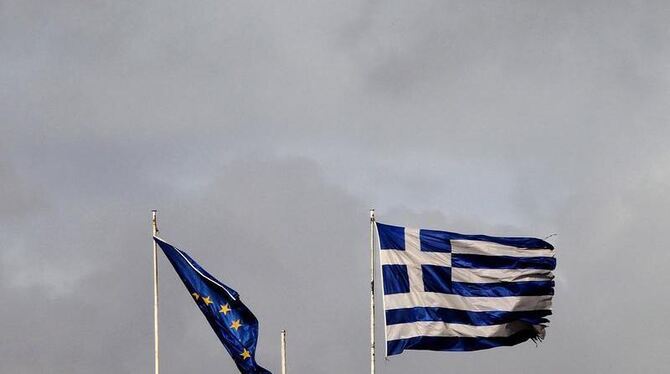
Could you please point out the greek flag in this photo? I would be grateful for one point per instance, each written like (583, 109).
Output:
(452, 292)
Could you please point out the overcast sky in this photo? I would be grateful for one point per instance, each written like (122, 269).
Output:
(264, 131)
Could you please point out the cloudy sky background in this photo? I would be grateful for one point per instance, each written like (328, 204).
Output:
(264, 131)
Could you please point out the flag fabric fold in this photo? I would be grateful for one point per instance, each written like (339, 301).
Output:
(232, 322)
(445, 291)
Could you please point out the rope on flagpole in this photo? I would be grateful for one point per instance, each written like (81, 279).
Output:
(372, 291)
(154, 227)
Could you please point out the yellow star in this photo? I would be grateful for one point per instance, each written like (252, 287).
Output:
(224, 309)
(195, 295)
(236, 324)
(207, 300)
(245, 354)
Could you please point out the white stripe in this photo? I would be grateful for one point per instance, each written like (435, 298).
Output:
(393, 257)
(478, 247)
(412, 241)
(476, 304)
(412, 255)
(499, 275)
(436, 328)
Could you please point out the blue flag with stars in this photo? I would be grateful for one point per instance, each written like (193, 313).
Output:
(232, 321)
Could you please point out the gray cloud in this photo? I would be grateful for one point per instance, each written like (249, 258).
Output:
(264, 132)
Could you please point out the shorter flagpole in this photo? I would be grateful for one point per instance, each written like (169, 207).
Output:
(283, 351)
(372, 291)
(154, 227)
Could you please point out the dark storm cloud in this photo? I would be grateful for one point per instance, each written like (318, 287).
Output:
(264, 131)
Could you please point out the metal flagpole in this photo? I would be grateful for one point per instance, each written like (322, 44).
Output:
(154, 226)
(372, 291)
(283, 351)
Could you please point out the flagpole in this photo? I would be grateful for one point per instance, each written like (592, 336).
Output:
(283, 351)
(372, 291)
(154, 227)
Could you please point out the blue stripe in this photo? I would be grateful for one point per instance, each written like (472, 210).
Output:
(465, 317)
(519, 242)
(502, 262)
(391, 237)
(440, 343)
(438, 279)
(435, 241)
(503, 289)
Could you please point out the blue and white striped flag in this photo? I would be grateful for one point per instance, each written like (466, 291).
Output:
(451, 292)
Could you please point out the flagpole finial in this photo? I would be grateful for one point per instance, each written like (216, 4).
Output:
(372, 214)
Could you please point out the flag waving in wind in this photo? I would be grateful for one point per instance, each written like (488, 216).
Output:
(451, 292)
(232, 321)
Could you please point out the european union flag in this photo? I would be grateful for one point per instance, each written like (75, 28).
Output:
(232, 321)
